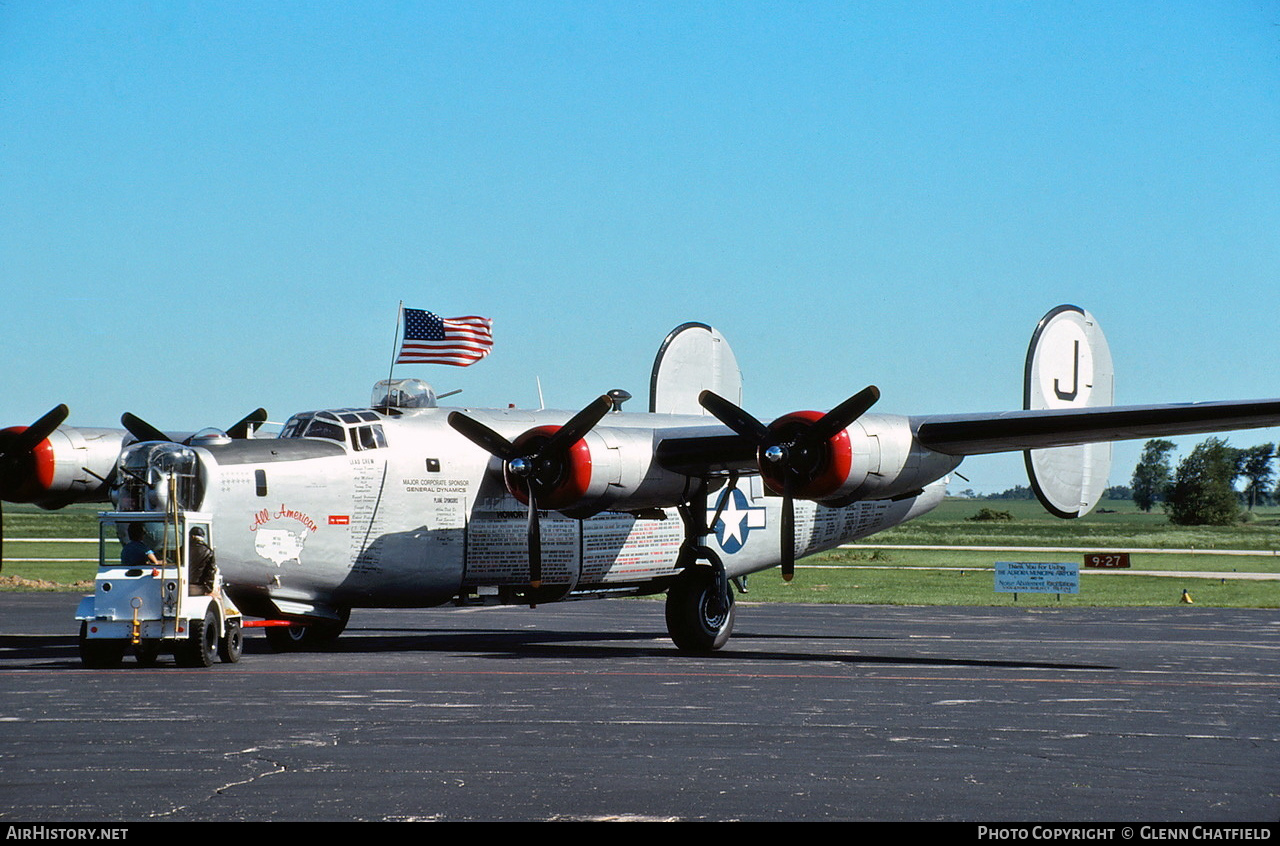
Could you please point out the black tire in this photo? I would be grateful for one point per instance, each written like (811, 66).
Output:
(314, 633)
(286, 638)
(694, 622)
(232, 644)
(201, 646)
(99, 654)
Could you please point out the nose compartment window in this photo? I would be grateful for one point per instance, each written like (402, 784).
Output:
(296, 426)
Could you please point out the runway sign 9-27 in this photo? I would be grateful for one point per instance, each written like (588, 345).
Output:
(1106, 560)
(1037, 577)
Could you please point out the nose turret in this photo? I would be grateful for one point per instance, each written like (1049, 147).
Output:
(158, 475)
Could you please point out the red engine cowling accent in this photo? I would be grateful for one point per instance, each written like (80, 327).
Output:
(35, 479)
(829, 472)
(569, 486)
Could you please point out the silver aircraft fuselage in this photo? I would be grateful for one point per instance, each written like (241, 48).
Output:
(419, 515)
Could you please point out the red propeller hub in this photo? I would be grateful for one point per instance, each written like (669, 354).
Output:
(819, 472)
(27, 477)
(560, 481)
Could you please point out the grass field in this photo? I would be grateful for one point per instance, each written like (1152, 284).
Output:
(52, 541)
(869, 575)
(1114, 524)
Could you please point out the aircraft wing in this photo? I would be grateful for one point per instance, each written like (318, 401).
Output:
(700, 455)
(1013, 431)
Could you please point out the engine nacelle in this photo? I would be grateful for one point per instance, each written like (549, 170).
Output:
(607, 469)
(70, 465)
(562, 483)
(875, 457)
(820, 473)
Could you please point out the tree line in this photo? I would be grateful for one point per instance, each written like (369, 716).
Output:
(1202, 489)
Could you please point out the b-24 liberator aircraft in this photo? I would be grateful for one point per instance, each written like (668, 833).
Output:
(408, 504)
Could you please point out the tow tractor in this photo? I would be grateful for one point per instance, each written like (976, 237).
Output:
(144, 599)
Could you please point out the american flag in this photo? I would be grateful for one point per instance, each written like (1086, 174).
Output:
(429, 339)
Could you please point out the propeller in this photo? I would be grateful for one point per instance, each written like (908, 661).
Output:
(141, 429)
(538, 466)
(248, 424)
(793, 452)
(144, 431)
(18, 447)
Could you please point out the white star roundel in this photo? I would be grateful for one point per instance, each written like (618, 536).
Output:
(736, 520)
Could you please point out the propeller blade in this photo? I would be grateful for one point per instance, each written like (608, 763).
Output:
(482, 436)
(578, 426)
(844, 414)
(788, 531)
(141, 429)
(248, 424)
(17, 449)
(734, 417)
(535, 542)
(25, 442)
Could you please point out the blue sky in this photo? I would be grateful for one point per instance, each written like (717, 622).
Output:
(209, 206)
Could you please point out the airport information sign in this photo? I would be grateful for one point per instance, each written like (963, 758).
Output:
(1037, 577)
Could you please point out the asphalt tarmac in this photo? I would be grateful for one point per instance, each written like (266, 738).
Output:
(585, 711)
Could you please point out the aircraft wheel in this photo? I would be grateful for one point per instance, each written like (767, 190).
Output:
(201, 647)
(286, 638)
(697, 622)
(232, 644)
(327, 631)
(315, 634)
(99, 654)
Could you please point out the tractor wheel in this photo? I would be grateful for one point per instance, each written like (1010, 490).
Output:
(201, 647)
(232, 643)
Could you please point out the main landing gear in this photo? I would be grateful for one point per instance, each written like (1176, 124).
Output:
(700, 607)
(700, 610)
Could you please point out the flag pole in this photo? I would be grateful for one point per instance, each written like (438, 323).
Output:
(395, 350)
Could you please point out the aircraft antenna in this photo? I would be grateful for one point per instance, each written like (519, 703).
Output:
(395, 350)
(542, 405)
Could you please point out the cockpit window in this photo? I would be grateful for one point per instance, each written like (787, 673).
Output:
(368, 437)
(324, 429)
(364, 427)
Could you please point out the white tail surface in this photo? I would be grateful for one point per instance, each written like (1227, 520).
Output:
(1069, 366)
(693, 358)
